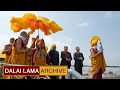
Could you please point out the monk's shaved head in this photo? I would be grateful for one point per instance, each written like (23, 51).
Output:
(12, 40)
(24, 34)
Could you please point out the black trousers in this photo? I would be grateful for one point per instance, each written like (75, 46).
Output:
(78, 69)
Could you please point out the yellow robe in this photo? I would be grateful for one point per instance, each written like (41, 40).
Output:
(6, 61)
(16, 58)
(40, 61)
(7, 58)
(6, 55)
(28, 59)
(97, 63)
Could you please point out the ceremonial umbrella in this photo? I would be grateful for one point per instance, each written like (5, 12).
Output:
(29, 20)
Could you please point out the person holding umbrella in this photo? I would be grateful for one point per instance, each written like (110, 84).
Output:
(39, 57)
(19, 49)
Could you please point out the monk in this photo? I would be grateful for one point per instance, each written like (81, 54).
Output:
(97, 61)
(7, 50)
(19, 49)
(29, 56)
(40, 54)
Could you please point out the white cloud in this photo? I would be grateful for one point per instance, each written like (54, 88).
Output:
(108, 14)
(83, 24)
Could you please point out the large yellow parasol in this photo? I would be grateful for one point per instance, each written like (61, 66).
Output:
(29, 20)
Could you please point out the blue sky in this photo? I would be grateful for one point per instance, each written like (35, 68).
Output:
(78, 29)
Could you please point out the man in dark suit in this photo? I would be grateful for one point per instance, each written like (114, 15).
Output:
(66, 58)
(54, 57)
(79, 58)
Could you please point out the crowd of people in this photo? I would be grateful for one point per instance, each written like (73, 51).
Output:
(17, 52)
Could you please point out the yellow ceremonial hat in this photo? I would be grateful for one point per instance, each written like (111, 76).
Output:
(95, 40)
(53, 45)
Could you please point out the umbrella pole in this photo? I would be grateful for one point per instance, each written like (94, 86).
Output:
(38, 33)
